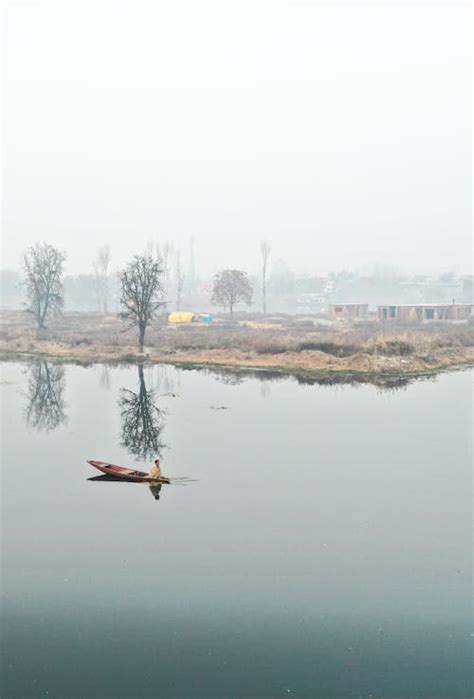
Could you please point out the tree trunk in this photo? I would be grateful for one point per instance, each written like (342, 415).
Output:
(141, 380)
(40, 318)
(141, 337)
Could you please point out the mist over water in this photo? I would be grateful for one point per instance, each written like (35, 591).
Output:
(322, 550)
(279, 184)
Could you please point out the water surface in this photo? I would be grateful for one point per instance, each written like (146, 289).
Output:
(322, 549)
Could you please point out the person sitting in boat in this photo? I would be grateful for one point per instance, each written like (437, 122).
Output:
(155, 471)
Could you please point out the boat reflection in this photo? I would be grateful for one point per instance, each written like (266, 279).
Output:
(154, 488)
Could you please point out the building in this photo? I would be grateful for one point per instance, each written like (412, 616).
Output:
(310, 303)
(423, 312)
(349, 311)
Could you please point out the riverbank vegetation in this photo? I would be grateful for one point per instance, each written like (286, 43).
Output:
(293, 344)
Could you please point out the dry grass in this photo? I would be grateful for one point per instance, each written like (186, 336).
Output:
(276, 341)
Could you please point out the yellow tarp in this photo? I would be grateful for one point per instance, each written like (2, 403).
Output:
(180, 317)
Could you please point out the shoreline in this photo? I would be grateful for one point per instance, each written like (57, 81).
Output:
(308, 366)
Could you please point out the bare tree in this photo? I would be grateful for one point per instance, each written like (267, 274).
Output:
(179, 278)
(142, 421)
(265, 250)
(101, 277)
(149, 248)
(46, 408)
(43, 279)
(164, 252)
(141, 293)
(192, 267)
(231, 287)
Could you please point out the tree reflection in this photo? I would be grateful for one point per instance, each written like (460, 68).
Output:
(142, 421)
(104, 377)
(46, 408)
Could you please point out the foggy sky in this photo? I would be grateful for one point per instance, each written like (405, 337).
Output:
(339, 132)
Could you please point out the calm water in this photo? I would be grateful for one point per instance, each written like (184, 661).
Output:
(323, 549)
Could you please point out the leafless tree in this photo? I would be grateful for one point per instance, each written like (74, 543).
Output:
(46, 408)
(142, 421)
(43, 279)
(179, 279)
(141, 293)
(191, 284)
(265, 250)
(101, 278)
(164, 252)
(149, 248)
(104, 376)
(231, 287)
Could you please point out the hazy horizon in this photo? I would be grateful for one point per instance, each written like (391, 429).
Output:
(341, 133)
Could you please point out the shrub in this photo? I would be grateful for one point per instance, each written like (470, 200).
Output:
(394, 346)
(333, 348)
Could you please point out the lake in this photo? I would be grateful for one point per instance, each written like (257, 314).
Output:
(321, 547)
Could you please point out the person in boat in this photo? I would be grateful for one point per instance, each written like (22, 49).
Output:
(155, 471)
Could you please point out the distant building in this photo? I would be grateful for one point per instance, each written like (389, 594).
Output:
(422, 312)
(310, 303)
(349, 311)
(468, 288)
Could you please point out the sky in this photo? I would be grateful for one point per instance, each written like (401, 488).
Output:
(339, 132)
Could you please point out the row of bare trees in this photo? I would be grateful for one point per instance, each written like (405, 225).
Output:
(144, 284)
(172, 269)
(141, 284)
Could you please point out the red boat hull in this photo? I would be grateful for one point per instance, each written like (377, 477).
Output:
(127, 474)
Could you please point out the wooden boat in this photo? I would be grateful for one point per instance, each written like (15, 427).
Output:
(126, 474)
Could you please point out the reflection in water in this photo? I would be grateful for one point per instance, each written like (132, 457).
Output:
(155, 490)
(317, 590)
(265, 389)
(45, 409)
(169, 380)
(142, 421)
(234, 376)
(104, 377)
(230, 378)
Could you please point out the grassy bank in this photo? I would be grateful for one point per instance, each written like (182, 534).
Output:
(307, 346)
